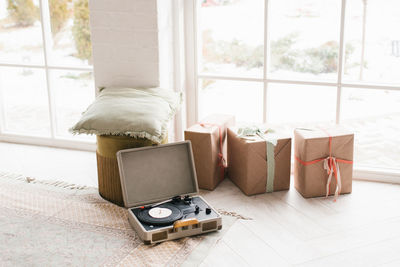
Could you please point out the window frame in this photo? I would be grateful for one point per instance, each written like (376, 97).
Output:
(193, 75)
(186, 77)
(54, 140)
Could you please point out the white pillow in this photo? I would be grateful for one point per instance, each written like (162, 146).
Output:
(142, 113)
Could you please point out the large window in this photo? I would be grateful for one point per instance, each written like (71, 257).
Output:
(298, 63)
(46, 74)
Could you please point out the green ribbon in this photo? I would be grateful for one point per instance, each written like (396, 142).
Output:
(248, 131)
(271, 166)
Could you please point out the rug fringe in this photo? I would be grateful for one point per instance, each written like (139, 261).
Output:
(32, 180)
(233, 214)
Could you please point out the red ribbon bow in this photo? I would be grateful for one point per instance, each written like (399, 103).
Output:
(331, 165)
(221, 159)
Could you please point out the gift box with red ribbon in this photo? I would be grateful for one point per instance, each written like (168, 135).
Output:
(208, 138)
(323, 161)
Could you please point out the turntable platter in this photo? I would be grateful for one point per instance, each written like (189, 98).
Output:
(159, 213)
(164, 214)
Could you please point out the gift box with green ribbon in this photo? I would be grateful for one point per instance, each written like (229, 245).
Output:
(259, 159)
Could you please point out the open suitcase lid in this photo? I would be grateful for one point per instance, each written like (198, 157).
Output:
(157, 173)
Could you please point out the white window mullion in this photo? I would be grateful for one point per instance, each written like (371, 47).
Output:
(266, 62)
(302, 82)
(22, 65)
(47, 44)
(299, 82)
(372, 86)
(341, 61)
(190, 21)
(2, 110)
(196, 6)
(229, 78)
(178, 57)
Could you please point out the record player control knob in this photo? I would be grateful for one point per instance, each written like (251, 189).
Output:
(176, 199)
(208, 210)
(197, 209)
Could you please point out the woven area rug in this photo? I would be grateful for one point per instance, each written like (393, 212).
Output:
(47, 223)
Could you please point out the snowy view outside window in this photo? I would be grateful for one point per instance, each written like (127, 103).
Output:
(24, 82)
(303, 42)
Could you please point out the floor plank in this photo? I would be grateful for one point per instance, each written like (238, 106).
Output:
(72, 166)
(223, 255)
(370, 255)
(251, 247)
(395, 263)
(356, 237)
(288, 246)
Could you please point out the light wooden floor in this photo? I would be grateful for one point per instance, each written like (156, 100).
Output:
(360, 229)
(73, 166)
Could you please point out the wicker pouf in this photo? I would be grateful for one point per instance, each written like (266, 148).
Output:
(107, 164)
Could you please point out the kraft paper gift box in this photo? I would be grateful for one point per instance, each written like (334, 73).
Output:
(323, 161)
(208, 140)
(251, 169)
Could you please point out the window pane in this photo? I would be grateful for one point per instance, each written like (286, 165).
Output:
(242, 99)
(20, 32)
(74, 92)
(301, 105)
(374, 115)
(70, 33)
(25, 101)
(304, 39)
(380, 61)
(231, 37)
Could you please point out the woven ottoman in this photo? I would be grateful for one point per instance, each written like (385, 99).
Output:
(107, 164)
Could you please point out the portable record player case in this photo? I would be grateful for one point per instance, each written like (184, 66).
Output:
(153, 175)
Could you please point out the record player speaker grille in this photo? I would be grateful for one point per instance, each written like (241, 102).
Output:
(209, 226)
(159, 236)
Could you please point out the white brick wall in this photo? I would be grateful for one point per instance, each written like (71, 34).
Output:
(132, 42)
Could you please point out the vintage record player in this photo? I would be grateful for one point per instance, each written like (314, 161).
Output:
(159, 188)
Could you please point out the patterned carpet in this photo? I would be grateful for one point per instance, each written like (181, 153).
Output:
(57, 224)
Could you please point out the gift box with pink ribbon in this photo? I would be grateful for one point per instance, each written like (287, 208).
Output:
(208, 138)
(323, 161)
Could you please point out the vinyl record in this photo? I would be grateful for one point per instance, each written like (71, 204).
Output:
(164, 214)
